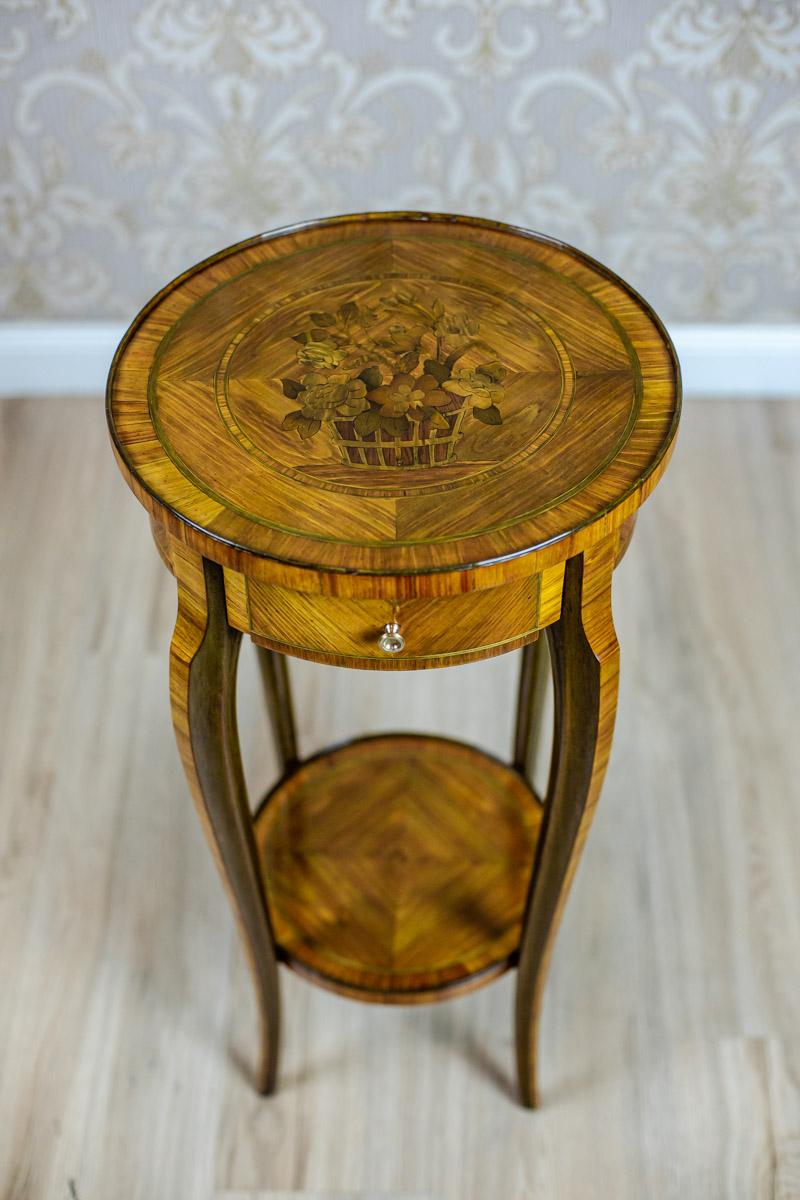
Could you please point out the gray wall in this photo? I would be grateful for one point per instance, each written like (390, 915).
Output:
(138, 137)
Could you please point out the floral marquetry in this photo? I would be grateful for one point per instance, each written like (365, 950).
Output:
(394, 394)
(389, 379)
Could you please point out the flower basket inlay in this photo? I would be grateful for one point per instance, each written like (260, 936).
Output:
(393, 380)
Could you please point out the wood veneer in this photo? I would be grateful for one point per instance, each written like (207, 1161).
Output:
(587, 411)
(396, 867)
(441, 422)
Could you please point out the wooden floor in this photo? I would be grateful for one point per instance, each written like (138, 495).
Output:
(672, 1018)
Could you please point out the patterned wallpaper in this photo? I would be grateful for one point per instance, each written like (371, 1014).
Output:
(140, 135)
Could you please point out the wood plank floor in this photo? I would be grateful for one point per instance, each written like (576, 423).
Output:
(672, 1019)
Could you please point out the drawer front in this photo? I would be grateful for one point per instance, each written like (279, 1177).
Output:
(437, 632)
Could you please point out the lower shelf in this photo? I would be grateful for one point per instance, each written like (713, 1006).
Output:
(396, 867)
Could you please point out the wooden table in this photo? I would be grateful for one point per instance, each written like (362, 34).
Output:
(396, 441)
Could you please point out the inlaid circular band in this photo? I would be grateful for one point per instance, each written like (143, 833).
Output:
(394, 394)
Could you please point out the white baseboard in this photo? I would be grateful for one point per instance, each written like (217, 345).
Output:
(56, 358)
(739, 360)
(72, 358)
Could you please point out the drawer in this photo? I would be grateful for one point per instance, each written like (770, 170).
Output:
(437, 631)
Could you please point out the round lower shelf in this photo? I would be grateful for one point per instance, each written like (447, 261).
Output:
(396, 867)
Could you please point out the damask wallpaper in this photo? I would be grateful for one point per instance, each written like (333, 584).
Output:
(140, 135)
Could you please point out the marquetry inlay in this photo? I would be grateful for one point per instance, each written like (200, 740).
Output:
(394, 393)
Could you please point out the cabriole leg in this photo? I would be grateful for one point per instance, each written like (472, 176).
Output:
(585, 658)
(203, 660)
(534, 667)
(275, 678)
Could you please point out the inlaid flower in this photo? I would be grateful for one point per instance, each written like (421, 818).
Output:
(355, 400)
(482, 387)
(396, 397)
(387, 370)
(324, 353)
(323, 397)
(433, 393)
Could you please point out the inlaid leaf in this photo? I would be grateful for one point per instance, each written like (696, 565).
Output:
(292, 419)
(348, 310)
(291, 388)
(440, 371)
(489, 416)
(438, 420)
(408, 362)
(494, 371)
(457, 388)
(323, 318)
(307, 427)
(302, 338)
(367, 422)
(372, 377)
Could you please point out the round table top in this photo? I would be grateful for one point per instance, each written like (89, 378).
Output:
(394, 394)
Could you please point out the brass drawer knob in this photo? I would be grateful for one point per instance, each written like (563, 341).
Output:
(391, 640)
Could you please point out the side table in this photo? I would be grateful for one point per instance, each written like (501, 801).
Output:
(395, 441)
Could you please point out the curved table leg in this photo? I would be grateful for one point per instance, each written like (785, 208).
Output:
(275, 678)
(533, 671)
(203, 660)
(585, 659)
